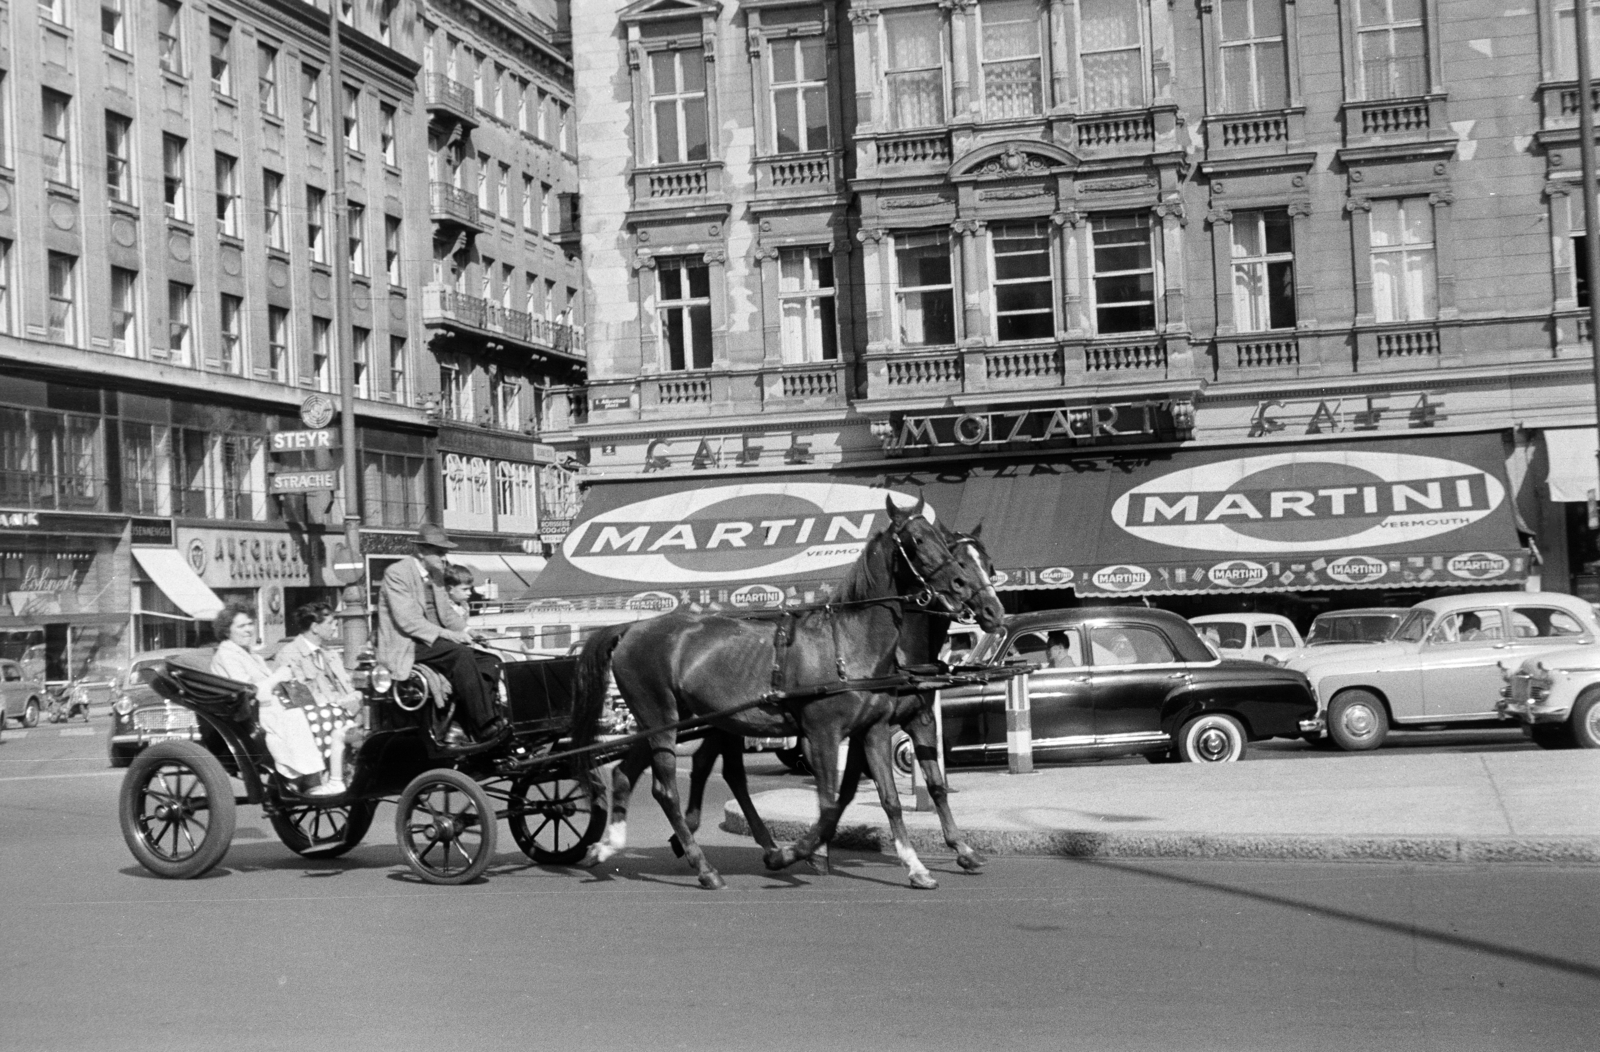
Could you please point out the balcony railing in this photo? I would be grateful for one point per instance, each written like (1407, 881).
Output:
(1006, 367)
(444, 305)
(801, 383)
(1116, 130)
(1259, 129)
(440, 93)
(1408, 344)
(922, 148)
(802, 173)
(449, 203)
(1147, 355)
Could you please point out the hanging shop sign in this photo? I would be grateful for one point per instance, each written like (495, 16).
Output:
(152, 533)
(60, 523)
(1039, 427)
(317, 411)
(304, 481)
(303, 441)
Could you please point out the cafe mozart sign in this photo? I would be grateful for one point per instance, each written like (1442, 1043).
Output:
(1039, 427)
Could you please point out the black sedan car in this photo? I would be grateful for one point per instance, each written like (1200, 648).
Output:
(140, 716)
(1120, 681)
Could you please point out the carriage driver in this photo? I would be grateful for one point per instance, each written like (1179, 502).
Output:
(416, 625)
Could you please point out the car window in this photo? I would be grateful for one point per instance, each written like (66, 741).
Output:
(1543, 622)
(1129, 645)
(1264, 637)
(1469, 626)
(12, 673)
(1285, 637)
(1414, 627)
(143, 673)
(1227, 635)
(1029, 647)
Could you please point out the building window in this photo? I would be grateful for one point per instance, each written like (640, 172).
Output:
(1391, 48)
(393, 266)
(57, 132)
(316, 202)
(5, 119)
(53, 11)
(113, 23)
(503, 191)
(497, 94)
(1024, 287)
(529, 204)
(805, 303)
(1013, 58)
(227, 195)
(5, 286)
(357, 219)
(508, 283)
(677, 105)
(924, 296)
(523, 118)
(63, 298)
(119, 158)
(799, 94)
(278, 346)
(1404, 284)
(352, 119)
(386, 21)
(398, 371)
(485, 279)
(455, 392)
(542, 115)
(485, 198)
(1263, 270)
(222, 59)
(146, 469)
(232, 334)
(311, 98)
(267, 78)
(272, 208)
(244, 476)
(360, 349)
(915, 77)
(1111, 54)
(169, 31)
(347, 12)
(1254, 69)
(322, 355)
(506, 397)
(1124, 274)
(180, 324)
(545, 224)
(393, 489)
(174, 172)
(563, 127)
(125, 312)
(386, 134)
(683, 313)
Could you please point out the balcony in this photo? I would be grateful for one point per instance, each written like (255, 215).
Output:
(451, 204)
(443, 95)
(447, 308)
(1116, 130)
(898, 153)
(1248, 357)
(1393, 119)
(798, 175)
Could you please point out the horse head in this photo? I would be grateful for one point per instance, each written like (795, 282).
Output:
(931, 564)
(986, 608)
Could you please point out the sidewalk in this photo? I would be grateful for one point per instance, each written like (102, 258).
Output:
(1476, 807)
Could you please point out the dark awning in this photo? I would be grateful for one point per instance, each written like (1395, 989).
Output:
(1379, 513)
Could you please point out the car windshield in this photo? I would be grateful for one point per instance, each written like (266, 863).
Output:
(1414, 627)
(1354, 628)
(988, 648)
(1225, 635)
(142, 673)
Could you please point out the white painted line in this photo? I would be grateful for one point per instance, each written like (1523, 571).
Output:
(77, 732)
(16, 736)
(42, 777)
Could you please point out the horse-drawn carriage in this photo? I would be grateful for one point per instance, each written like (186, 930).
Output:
(178, 801)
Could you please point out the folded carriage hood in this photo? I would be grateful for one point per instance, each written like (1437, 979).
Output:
(1357, 657)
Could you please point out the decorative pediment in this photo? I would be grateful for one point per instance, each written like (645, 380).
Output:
(651, 10)
(1012, 160)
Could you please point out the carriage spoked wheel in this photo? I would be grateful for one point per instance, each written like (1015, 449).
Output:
(177, 810)
(445, 826)
(323, 832)
(554, 820)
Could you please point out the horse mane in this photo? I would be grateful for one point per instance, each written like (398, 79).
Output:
(869, 576)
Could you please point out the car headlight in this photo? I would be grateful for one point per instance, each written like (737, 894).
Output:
(123, 705)
(381, 679)
(1271, 660)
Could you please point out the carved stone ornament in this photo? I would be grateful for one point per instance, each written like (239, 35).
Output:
(1299, 209)
(968, 227)
(1219, 215)
(862, 15)
(919, 201)
(873, 234)
(1172, 210)
(1442, 197)
(1557, 189)
(1358, 204)
(716, 255)
(764, 252)
(1012, 193)
(635, 56)
(643, 261)
(1014, 162)
(1068, 217)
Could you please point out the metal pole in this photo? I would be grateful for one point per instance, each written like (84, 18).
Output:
(1019, 725)
(354, 607)
(1591, 222)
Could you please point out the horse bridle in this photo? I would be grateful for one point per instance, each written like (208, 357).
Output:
(925, 594)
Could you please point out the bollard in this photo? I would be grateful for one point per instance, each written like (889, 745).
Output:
(1019, 726)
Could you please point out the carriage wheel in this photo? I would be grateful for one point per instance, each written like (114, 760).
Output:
(323, 832)
(554, 820)
(445, 826)
(177, 810)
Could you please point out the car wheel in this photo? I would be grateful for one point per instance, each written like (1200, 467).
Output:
(1552, 736)
(177, 810)
(795, 760)
(905, 754)
(1164, 756)
(1357, 721)
(1211, 737)
(30, 715)
(1584, 723)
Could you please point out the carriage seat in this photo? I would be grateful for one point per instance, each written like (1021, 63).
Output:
(188, 676)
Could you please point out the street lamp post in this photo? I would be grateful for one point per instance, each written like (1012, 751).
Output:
(1591, 183)
(354, 606)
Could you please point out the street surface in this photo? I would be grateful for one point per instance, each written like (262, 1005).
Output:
(272, 951)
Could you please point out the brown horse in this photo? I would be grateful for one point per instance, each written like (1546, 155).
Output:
(682, 665)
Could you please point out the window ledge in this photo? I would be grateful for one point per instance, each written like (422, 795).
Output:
(184, 226)
(123, 208)
(230, 101)
(173, 76)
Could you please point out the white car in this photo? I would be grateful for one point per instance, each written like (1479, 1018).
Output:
(1256, 637)
(1556, 698)
(1443, 666)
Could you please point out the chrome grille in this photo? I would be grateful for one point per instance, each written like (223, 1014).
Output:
(164, 719)
(1524, 689)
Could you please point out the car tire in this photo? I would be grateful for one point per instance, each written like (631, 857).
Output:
(1212, 737)
(905, 754)
(794, 759)
(1357, 721)
(30, 715)
(1584, 723)
(1164, 756)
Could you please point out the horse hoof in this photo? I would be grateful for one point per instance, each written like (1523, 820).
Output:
(591, 858)
(712, 882)
(774, 859)
(971, 863)
(923, 881)
(676, 845)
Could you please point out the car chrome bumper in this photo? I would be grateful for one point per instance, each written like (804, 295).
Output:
(1527, 713)
(1315, 725)
(766, 744)
(143, 738)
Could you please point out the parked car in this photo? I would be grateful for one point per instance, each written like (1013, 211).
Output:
(23, 694)
(1254, 637)
(140, 716)
(1556, 698)
(1133, 681)
(1442, 667)
(1369, 624)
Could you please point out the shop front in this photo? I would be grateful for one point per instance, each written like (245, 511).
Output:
(1391, 518)
(271, 571)
(65, 599)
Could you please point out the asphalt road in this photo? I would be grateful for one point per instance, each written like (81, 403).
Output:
(272, 951)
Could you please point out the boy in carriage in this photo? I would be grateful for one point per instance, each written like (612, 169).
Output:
(338, 703)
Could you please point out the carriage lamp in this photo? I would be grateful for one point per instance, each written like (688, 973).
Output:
(381, 679)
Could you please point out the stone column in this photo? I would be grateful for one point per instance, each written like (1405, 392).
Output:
(974, 323)
(963, 37)
(1069, 224)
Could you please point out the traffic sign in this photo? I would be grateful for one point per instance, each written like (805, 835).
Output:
(348, 567)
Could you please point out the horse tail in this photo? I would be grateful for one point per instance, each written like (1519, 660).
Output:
(589, 682)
